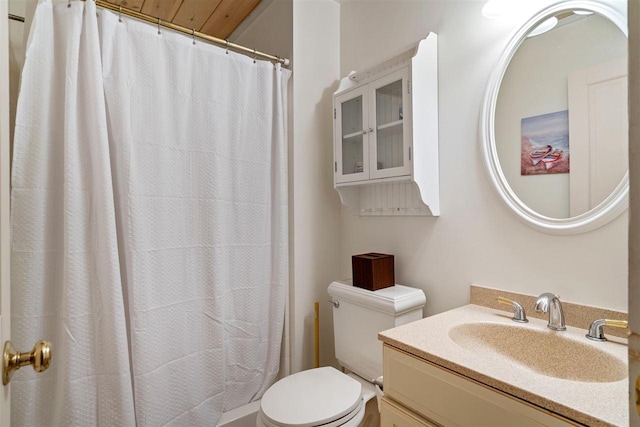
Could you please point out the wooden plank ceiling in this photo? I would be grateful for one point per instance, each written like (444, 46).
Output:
(218, 18)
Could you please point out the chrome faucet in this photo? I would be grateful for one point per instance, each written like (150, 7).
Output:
(550, 303)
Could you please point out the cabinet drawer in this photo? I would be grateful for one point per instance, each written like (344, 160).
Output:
(392, 415)
(452, 400)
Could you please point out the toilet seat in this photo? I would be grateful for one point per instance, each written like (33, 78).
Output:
(352, 419)
(321, 396)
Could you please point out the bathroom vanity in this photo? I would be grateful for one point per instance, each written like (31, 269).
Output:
(474, 366)
(425, 391)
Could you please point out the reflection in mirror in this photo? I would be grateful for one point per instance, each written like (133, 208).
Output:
(561, 126)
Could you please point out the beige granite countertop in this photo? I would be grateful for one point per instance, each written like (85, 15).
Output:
(590, 403)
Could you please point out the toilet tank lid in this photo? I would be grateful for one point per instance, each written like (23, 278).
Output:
(393, 300)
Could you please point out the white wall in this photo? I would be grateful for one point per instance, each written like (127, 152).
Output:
(476, 239)
(316, 206)
(536, 83)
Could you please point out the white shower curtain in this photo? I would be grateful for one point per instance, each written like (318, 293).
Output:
(199, 154)
(149, 223)
(65, 274)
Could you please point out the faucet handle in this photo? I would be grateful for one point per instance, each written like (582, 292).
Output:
(519, 314)
(596, 332)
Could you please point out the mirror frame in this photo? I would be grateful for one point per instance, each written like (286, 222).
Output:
(616, 203)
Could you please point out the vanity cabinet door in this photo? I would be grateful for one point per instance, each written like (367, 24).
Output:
(390, 120)
(352, 136)
(452, 400)
(393, 415)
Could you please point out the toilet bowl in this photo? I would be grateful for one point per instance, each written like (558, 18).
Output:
(325, 396)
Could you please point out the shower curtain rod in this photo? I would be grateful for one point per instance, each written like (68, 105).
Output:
(190, 31)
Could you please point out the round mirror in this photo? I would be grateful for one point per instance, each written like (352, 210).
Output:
(555, 122)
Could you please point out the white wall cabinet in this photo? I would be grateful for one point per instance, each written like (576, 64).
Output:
(386, 135)
(419, 393)
(372, 138)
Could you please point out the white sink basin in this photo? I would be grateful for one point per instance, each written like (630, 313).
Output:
(546, 352)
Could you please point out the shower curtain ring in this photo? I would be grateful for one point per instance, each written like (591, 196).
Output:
(227, 40)
(193, 34)
(159, 26)
(254, 56)
(120, 13)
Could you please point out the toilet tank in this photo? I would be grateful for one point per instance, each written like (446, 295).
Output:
(360, 314)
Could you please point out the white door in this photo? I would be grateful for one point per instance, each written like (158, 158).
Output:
(4, 198)
(598, 133)
(634, 225)
(41, 356)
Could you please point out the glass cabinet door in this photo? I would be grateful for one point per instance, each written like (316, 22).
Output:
(352, 140)
(390, 156)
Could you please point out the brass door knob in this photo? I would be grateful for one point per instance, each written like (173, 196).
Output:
(12, 360)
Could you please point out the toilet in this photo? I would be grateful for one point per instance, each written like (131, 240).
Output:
(325, 396)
